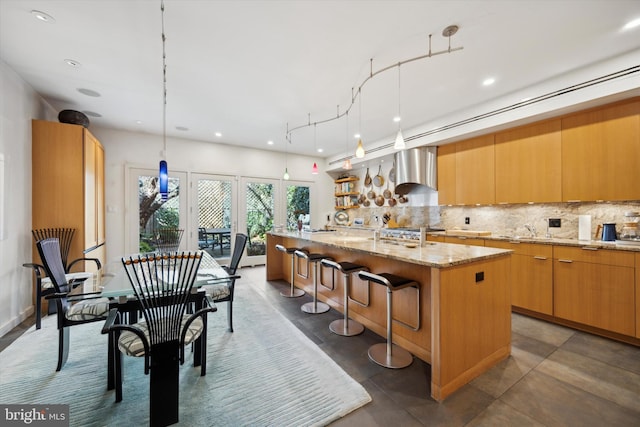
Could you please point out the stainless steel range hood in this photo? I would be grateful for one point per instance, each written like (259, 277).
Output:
(416, 166)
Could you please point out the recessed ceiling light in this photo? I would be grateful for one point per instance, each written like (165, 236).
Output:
(320, 150)
(218, 134)
(92, 114)
(631, 24)
(44, 17)
(73, 63)
(356, 136)
(182, 128)
(270, 142)
(489, 81)
(138, 122)
(397, 119)
(89, 92)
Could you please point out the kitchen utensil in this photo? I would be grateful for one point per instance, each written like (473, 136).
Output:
(371, 194)
(392, 172)
(362, 197)
(378, 180)
(366, 203)
(367, 179)
(392, 202)
(609, 232)
(387, 193)
(403, 199)
(379, 200)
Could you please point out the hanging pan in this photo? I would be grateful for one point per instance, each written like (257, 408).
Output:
(379, 200)
(378, 180)
(392, 172)
(387, 193)
(392, 202)
(371, 194)
(367, 179)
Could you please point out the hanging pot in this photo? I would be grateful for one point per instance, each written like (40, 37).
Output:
(392, 202)
(371, 194)
(366, 203)
(362, 197)
(367, 179)
(379, 200)
(378, 180)
(392, 172)
(387, 193)
(403, 199)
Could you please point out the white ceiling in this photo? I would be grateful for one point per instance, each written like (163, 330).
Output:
(248, 68)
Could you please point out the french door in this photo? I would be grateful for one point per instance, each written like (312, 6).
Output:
(214, 214)
(147, 212)
(257, 213)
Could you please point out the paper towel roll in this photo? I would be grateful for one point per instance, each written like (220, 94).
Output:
(584, 227)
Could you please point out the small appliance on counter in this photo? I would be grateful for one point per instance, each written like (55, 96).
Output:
(630, 229)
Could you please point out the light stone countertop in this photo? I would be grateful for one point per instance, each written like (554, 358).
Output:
(433, 254)
(630, 246)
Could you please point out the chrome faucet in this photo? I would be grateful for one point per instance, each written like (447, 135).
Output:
(532, 229)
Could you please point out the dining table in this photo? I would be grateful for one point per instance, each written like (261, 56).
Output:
(219, 236)
(112, 282)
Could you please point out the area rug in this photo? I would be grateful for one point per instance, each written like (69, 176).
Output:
(266, 373)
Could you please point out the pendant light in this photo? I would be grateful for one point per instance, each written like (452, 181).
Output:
(399, 143)
(347, 163)
(360, 148)
(163, 174)
(314, 169)
(287, 141)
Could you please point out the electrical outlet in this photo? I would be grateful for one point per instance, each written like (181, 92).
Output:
(467, 220)
(555, 222)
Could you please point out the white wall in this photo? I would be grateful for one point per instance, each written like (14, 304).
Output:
(18, 105)
(124, 149)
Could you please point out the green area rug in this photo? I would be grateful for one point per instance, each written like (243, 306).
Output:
(266, 373)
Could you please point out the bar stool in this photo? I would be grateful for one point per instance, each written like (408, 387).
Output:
(345, 327)
(294, 293)
(314, 307)
(388, 354)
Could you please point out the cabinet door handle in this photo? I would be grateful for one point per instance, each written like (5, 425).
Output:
(565, 260)
(514, 242)
(543, 258)
(462, 238)
(589, 248)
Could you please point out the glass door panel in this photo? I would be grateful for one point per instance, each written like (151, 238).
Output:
(298, 206)
(149, 212)
(258, 216)
(215, 216)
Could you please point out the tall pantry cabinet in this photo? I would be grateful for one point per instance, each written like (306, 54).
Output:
(68, 187)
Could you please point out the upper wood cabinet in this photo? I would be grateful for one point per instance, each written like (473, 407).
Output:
(68, 183)
(466, 172)
(601, 153)
(528, 163)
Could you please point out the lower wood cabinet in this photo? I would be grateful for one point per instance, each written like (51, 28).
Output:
(595, 287)
(463, 240)
(531, 275)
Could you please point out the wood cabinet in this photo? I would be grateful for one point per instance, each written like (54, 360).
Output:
(466, 172)
(531, 275)
(346, 193)
(595, 287)
(528, 163)
(638, 295)
(601, 153)
(68, 185)
(464, 240)
(446, 174)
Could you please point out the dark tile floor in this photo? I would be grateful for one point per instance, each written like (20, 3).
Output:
(555, 376)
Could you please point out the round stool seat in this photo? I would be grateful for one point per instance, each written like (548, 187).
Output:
(293, 292)
(345, 327)
(314, 307)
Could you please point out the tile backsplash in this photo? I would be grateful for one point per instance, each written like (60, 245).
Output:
(507, 220)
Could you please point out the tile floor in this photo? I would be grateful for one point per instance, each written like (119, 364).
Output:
(555, 376)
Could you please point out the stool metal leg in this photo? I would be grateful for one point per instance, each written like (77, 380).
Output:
(294, 292)
(316, 306)
(388, 354)
(346, 327)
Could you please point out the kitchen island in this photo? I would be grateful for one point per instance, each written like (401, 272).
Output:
(462, 311)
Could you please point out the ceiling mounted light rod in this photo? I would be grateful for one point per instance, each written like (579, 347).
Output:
(360, 147)
(314, 168)
(447, 32)
(163, 173)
